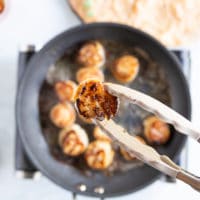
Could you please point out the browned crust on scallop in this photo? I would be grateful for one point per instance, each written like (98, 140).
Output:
(65, 90)
(99, 155)
(62, 115)
(91, 54)
(151, 125)
(93, 101)
(67, 140)
(73, 141)
(125, 68)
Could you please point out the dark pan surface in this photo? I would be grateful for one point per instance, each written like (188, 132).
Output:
(27, 112)
(151, 80)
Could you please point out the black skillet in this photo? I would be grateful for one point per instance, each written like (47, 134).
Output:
(27, 112)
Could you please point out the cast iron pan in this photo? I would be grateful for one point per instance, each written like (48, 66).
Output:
(27, 111)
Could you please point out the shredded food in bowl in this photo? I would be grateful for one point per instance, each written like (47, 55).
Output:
(2, 5)
(173, 22)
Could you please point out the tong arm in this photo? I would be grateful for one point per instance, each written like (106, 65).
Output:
(147, 154)
(165, 113)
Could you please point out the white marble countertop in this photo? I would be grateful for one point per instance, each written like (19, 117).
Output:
(36, 22)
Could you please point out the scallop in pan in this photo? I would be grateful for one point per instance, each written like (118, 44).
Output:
(93, 101)
(125, 68)
(91, 54)
(65, 90)
(62, 115)
(73, 141)
(156, 131)
(99, 154)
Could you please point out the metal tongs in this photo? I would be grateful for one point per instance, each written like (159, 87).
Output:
(144, 152)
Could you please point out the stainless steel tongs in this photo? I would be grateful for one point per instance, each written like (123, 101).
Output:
(144, 152)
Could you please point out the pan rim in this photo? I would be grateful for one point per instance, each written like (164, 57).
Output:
(45, 48)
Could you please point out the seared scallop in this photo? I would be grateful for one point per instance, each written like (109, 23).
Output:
(91, 54)
(86, 73)
(128, 155)
(156, 131)
(65, 90)
(99, 134)
(73, 141)
(125, 68)
(99, 154)
(62, 115)
(93, 101)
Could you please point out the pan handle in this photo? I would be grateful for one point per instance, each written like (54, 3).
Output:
(183, 175)
(189, 178)
(74, 196)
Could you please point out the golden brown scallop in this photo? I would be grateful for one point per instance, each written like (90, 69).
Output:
(99, 154)
(125, 68)
(91, 54)
(99, 134)
(73, 141)
(86, 73)
(156, 131)
(65, 90)
(93, 101)
(130, 156)
(62, 115)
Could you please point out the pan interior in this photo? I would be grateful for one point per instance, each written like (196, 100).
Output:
(150, 80)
